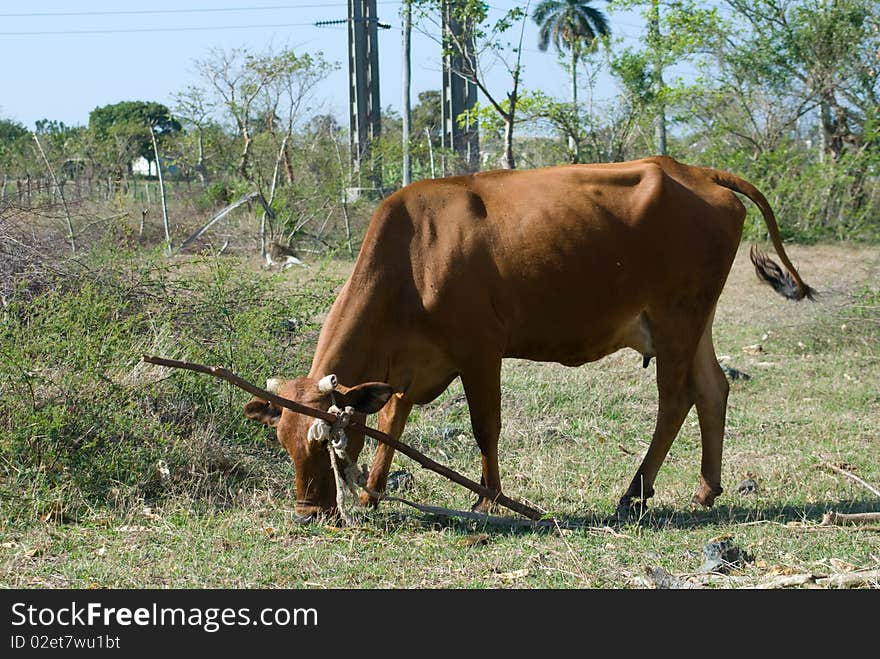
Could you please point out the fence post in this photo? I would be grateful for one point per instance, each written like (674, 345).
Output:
(161, 191)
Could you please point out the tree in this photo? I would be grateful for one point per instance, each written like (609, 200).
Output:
(427, 116)
(822, 52)
(14, 140)
(685, 30)
(194, 107)
(251, 86)
(573, 26)
(481, 38)
(133, 120)
(291, 81)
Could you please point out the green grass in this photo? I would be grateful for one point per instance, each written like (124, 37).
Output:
(84, 504)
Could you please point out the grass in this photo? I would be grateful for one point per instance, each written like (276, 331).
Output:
(84, 502)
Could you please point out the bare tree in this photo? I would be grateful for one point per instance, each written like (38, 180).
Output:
(196, 109)
(238, 77)
(289, 88)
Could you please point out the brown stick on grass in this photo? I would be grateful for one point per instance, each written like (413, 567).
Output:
(424, 461)
(852, 477)
(842, 519)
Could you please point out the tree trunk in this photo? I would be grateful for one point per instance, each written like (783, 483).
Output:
(245, 154)
(509, 160)
(430, 152)
(201, 169)
(288, 168)
(264, 222)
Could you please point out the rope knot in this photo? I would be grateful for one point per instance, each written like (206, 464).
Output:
(321, 431)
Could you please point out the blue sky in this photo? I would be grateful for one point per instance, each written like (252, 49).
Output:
(63, 66)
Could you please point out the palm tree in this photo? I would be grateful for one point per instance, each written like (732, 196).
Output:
(573, 26)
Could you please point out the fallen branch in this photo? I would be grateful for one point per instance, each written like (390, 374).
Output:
(853, 477)
(841, 519)
(851, 579)
(423, 460)
(786, 581)
(845, 580)
(228, 209)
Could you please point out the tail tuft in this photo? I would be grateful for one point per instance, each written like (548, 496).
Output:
(782, 282)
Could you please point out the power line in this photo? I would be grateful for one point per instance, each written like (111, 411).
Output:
(140, 12)
(155, 29)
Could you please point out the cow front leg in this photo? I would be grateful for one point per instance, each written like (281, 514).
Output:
(392, 420)
(675, 400)
(482, 387)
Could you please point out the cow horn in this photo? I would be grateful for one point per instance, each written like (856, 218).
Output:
(327, 383)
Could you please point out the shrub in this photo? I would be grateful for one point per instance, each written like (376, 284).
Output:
(85, 420)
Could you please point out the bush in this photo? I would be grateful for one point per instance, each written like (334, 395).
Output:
(85, 420)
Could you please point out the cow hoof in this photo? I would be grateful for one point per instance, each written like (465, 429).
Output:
(305, 519)
(630, 507)
(484, 506)
(705, 495)
(368, 500)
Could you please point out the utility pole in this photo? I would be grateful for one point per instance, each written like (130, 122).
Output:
(459, 95)
(363, 68)
(363, 87)
(405, 101)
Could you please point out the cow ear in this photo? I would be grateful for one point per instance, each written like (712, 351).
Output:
(368, 397)
(258, 409)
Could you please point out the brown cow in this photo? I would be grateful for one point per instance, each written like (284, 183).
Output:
(564, 264)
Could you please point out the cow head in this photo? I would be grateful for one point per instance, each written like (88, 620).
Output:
(315, 483)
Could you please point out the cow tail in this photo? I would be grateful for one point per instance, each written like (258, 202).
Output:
(788, 284)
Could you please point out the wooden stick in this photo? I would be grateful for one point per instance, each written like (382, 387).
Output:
(424, 461)
(850, 579)
(853, 477)
(785, 581)
(840, 519)
(845, 580)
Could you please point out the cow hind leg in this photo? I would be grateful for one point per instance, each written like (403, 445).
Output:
(482, 387)
(674, 359)
(710, 389)
(392, 420)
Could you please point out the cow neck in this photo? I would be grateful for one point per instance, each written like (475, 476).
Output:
(350, 344)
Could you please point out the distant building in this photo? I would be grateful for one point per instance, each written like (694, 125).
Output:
(140, 166)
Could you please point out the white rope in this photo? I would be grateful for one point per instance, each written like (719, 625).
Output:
(337, 441)
(321, 431)
(341, 486)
